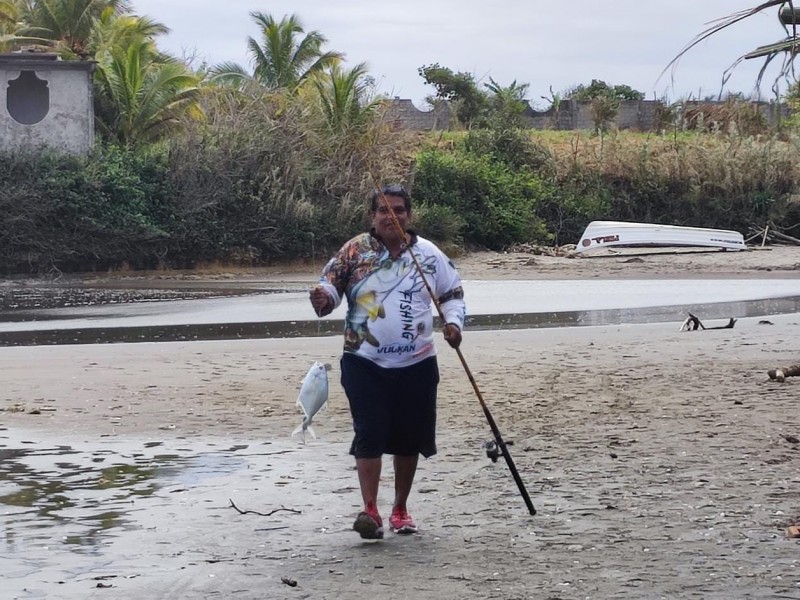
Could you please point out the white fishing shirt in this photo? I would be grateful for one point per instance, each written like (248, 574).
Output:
(389, 319)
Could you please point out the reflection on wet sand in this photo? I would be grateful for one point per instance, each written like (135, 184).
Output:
(77, 498)
(91, 514)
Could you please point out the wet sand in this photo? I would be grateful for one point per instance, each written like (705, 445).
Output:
(661, 463)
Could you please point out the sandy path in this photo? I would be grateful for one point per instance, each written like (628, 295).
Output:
(657, 460)
(662, 464)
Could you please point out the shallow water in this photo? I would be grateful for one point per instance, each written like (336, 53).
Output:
(491, 305)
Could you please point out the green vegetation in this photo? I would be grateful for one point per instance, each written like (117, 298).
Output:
(67, 213)
(250, 186)
(239, 167)
(562, 180)
(494, 106)
(600, 89)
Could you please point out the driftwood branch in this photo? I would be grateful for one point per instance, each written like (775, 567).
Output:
(781, 373)
(255, 512)
(693, 323)
(785, 238)
(771, 234)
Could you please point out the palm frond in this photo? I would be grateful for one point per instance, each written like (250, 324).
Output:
(229, 74)
(789, 45)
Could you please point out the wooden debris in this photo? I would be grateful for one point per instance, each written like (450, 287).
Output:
(785, 238)
(781, 373)
(771, 234)
(539, 250)
(793, 531)
(255, 512)
(693, 323)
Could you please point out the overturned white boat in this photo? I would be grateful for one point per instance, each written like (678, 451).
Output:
(606, 234)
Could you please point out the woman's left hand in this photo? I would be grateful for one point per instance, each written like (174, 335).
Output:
(452, 334)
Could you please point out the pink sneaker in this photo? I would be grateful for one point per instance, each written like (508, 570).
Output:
(369, 524)
(401, 522)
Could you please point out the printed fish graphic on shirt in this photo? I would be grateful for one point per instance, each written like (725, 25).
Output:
(369, 302)
(313, 396)
(369, 296)
(368, 307)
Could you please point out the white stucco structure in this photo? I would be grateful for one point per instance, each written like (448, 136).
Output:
(45, 103)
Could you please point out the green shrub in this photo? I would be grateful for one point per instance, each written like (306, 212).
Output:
(497, 203)
(511, 146)
(66, 212)
(439, 223)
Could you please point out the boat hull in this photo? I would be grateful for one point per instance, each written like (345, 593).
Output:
(605, 234)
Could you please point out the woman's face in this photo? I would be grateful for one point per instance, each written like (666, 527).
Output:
(382, 219)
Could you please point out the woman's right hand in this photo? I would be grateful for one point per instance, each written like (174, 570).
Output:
(320, 300)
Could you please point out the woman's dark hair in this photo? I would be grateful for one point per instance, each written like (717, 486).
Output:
(393, 189)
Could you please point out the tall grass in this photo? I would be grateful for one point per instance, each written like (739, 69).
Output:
(686, 178)
(689, 179)
(262, 180)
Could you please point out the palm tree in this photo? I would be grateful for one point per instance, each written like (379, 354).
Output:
(8, 12)
(279, 60)
(508, 103)
(344, 97)
(66, 25)
(143, 96)
(111, 31)
(11, 12)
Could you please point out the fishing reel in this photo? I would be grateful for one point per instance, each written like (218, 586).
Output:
(493, 451)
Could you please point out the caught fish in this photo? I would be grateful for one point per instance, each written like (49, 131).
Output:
(313, 396)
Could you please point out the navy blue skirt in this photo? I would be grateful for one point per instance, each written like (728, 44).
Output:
(393, 410)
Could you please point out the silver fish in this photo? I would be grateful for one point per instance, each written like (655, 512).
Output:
(313, 396)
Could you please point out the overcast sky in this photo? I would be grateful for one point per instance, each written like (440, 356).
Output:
(556, 44)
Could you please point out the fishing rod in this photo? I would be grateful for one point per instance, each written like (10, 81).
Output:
(501, 445)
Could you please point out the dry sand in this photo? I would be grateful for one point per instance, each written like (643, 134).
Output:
(663, 464)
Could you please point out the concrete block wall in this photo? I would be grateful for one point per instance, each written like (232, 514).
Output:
(572, 114)
(402, 114)
(68, 125)
(638, 115)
